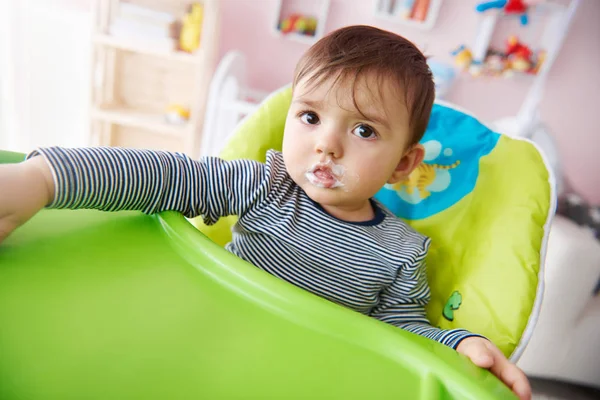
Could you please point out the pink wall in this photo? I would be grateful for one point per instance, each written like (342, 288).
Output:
(573, 88)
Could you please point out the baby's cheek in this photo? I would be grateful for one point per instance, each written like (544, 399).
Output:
(351, 181)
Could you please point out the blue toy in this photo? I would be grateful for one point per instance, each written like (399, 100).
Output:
(509, 6)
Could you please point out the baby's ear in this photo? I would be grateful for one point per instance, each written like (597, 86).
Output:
(411, 160)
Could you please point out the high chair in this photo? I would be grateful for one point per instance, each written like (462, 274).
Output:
(485, 199)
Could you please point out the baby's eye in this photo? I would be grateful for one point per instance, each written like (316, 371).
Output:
(309, 117)
(364, 132)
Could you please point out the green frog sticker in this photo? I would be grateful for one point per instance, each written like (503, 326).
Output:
(453, 304)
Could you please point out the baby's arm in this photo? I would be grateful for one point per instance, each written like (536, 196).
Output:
(403, 304)
(113, 179)
(25, 188)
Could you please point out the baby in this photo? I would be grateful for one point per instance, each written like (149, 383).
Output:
(361, 102)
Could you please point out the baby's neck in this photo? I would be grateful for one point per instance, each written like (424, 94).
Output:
(362, 213)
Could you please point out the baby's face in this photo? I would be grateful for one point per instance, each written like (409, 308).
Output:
(340, 157)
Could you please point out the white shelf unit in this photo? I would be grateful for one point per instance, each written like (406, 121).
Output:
(135, 78)
(316, 8)
(528, 123)
(554, 13)
(141, 47)
(391, 10)
(149, 121)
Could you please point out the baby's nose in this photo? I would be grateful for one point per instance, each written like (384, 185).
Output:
(329, 144)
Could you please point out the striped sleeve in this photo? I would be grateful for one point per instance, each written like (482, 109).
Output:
(403, 304)
(113, 179)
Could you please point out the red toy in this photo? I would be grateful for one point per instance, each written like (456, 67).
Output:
(515, 7)
(517, 49)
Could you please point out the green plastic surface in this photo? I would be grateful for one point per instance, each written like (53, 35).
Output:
(123, 305)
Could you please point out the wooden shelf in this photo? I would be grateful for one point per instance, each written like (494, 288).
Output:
(296, 37)
(137, 73)
(145, 47)
(139, 119)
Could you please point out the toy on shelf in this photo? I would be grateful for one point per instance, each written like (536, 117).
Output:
(420, 10)
(420, 14)
(177, 114)
(516, 57)
(514, 7)
(300, 21)
(516, 48)
(463, 58)
(519, 56)
(405, 8)
(188, 31)
(300, 24)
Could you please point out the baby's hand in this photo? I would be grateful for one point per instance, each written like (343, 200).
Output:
(485, 354)
(25, 189)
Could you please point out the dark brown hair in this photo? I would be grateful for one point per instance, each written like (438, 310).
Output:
(349, 52)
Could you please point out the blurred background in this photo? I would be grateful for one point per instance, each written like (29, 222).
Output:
(47, 48)
(178, 75)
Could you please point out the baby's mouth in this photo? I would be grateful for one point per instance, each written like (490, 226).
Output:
(323, 176)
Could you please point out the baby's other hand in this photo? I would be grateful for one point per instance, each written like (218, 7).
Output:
(485, 354)
(25, 189)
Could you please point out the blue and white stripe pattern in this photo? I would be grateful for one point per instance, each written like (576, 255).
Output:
(376, 268)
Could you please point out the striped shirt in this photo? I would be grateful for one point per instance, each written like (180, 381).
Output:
(375, 267)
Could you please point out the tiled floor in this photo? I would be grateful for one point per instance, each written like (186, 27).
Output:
(551, 390)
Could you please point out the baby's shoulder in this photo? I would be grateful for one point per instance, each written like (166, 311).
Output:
(277, 186)
(276, 171)
(274, 160)
(401, 238)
